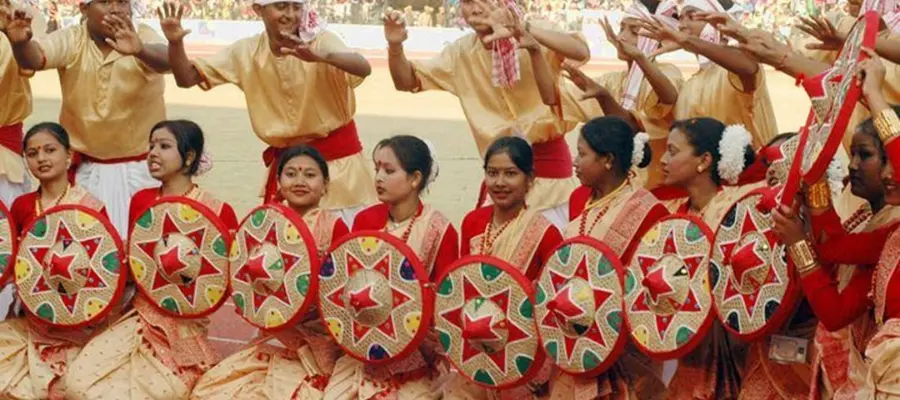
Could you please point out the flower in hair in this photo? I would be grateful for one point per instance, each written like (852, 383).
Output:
(732, 148)
(640, 142)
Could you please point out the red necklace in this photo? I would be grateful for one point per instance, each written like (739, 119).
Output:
(488, 243)
(408, 230)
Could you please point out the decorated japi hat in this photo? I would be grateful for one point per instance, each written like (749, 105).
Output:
(752, 286)
(178, 254)
(579, 307)
(485, 322)
(68, 268)
(274, 267)
(667, 299)
(375, 297)
(7, 244)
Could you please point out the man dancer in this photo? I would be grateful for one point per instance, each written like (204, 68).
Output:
(298, 80)
(112, 94)
(483, 70)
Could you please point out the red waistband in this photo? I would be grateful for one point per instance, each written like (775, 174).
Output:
(552, 159)
(11, 137)
(81, 158)
(340, 143)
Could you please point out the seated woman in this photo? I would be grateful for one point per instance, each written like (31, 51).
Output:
(404, 166)
(509, 230)
(701, 154)
(300, 360)
(148, 354)
(35, 357)
(612, 208)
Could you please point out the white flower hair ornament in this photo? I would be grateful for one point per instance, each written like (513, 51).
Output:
(205, 163)
(732, 147)
(835, 175)
(435, 168)
(640, 142)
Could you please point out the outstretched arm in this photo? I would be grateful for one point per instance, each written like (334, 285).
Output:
(170, 20)
(665, 90)
(402, 72)
(16, 25)
(593, 90)
(561, 43)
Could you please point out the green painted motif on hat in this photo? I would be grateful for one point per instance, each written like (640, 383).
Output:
(239, 302)
(683, 335)
(523, 363)
(444, 338)
(4, 261)
(590, 360)
(614, 319)
(692, 232)
(146, 219)
(446, 287)
(39, 229)
(490, 272)
(170, 304)
(258, 218)
(526, 308)
(629, 282)
(303, 284)
(219, 247)
(540, 296)
(604, 266)
(552, 348)
(45, 311)
(111, 262)
(484, 377)
(278, 265)
(563, 253)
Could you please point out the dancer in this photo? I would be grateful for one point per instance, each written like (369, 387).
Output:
(146, 353)
(34, 356)
(646, 104)
(110, 73)
(16, 106)
(404, 167)
(703, 154)
(295, 363)
(509, 230)
(488, 58)
(730, 86)
(298, 80)
(611, 208)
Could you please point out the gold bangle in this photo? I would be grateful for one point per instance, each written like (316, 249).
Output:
(818, 196)
(887, 124)
(804, 258)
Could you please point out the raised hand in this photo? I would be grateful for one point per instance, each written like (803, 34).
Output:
(125, 40)
(394, 27)
(725, 24)
(503, 22)
(822, 30)
(300, 49)
(15, 23)
(787, 225)
(870, 74)
(671, 39)
(764, 48)
(590, 88)
(629, 51)
(170, 21)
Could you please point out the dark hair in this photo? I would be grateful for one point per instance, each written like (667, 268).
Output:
(868, 127)
(54, 129)
(651, 5)
(518, 150)
(612, 135)
(413, 155)
(188, 137)
(781, 137)
(303, 150)
(705, 134)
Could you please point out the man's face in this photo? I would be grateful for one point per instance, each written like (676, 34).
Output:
(279, 18)
(95, 11)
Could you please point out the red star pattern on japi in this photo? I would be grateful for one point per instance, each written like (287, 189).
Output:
(260, 273)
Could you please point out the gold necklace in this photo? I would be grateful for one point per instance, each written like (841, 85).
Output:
(39, 206)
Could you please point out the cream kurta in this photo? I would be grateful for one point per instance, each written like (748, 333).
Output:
(109, 103)
(717, 93)
(656, 117)
(464, 69)
(15, 103)
(291, 101)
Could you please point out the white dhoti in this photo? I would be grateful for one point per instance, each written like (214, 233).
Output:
(114, 184)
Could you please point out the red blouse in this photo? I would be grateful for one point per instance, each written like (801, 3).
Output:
(23, 210)
(376, 218)
(476, 222)
(142, 200)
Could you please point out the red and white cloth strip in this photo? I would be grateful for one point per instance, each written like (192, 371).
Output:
(505, 60)
(310, 23)
(888, 9)
(665, 12)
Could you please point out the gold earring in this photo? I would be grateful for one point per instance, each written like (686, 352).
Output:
(608, 167)
(699, 169)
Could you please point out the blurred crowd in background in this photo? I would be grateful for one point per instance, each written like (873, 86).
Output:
(772, 15)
